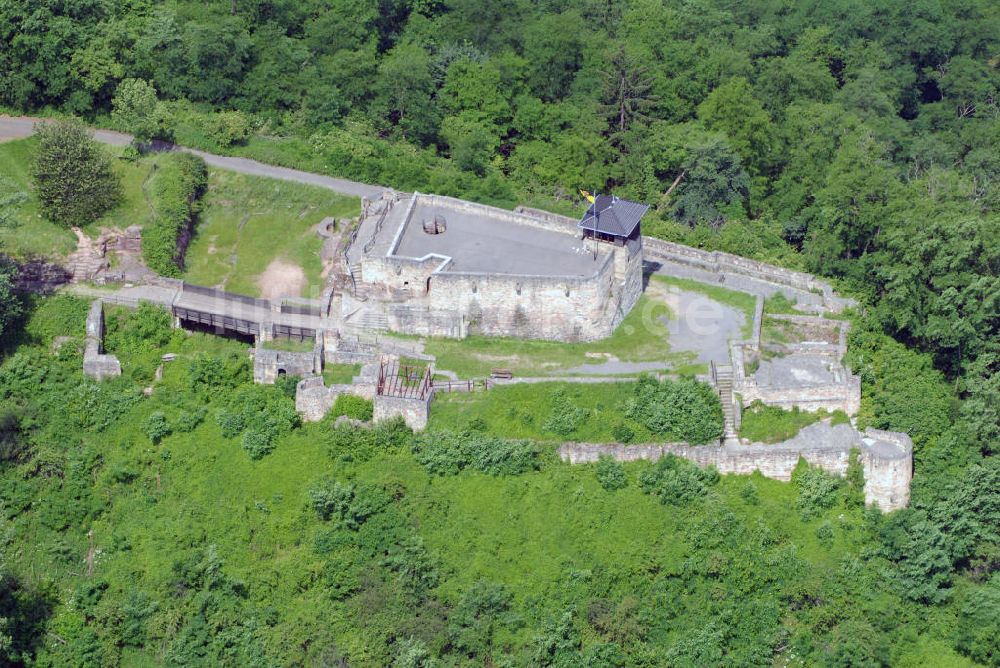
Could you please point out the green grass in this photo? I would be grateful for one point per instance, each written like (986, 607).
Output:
(247, 222)
(290, 345)
(778, 331)
(770, 424)
(338, 374)
(741, 301)
(28, 234)
(641, 337)
(779, 303)
(520, 411)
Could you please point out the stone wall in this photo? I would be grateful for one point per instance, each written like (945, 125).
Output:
(313, 400)
(743, 274)
(269, 364)
(96, 364)
(413, 411)
(844, 396)
(441, 302)
(41, 276)
(887, 458)
(426, 321)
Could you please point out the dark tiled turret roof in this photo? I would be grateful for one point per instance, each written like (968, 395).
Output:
(612, 215)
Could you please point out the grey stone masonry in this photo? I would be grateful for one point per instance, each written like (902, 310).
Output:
(887, 457)
(414, 411)
(96, 364)
(313, 400)
(489, 271)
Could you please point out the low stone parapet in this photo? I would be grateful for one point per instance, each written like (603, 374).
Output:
(887, 457)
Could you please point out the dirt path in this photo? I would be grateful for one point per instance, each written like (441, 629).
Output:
(281, 279)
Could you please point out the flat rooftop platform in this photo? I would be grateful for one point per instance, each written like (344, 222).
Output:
(479, 243)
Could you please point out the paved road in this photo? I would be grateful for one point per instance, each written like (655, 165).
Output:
(21, 126)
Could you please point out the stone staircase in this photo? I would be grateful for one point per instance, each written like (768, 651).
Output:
(369, 319)
(359, 290)
(724, 385)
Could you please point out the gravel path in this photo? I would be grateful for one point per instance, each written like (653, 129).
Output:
(16, 127)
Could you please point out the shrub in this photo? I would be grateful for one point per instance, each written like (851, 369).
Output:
(229, 127)
(330, 499)
(677, 481)
(180, 180)
(816, 489)
(287, 385)
(72, 174)
(354, 407)
(156, 426)
(623, 433)
(749, 494)
(209, 372)
(447, 453)
(259, 441)
(56, 316)
(188, 421)
(682, 410)
(145, 329)
(611, 474)
(565, 417)
(262, 414)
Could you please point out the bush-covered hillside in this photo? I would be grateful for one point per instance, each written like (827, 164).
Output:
(204, 525)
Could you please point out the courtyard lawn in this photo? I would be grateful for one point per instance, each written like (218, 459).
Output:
(641, 337)
(251, 225)
(23, 230)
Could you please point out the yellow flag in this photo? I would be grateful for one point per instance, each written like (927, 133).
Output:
(587, 196)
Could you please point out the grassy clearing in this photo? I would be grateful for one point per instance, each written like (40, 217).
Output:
(247, 222)
(770, 424)
(26, 234)
(741, 301)
(521, 411)
(641, 337)
(290, 345)
(337, 374)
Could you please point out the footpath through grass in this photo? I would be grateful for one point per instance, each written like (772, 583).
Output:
(248, 222)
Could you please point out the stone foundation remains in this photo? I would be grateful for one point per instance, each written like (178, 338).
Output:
(96, 364)
(268, 364)
(313, 400)
(413, 410)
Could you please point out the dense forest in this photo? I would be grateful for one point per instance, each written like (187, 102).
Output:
(857, 139)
